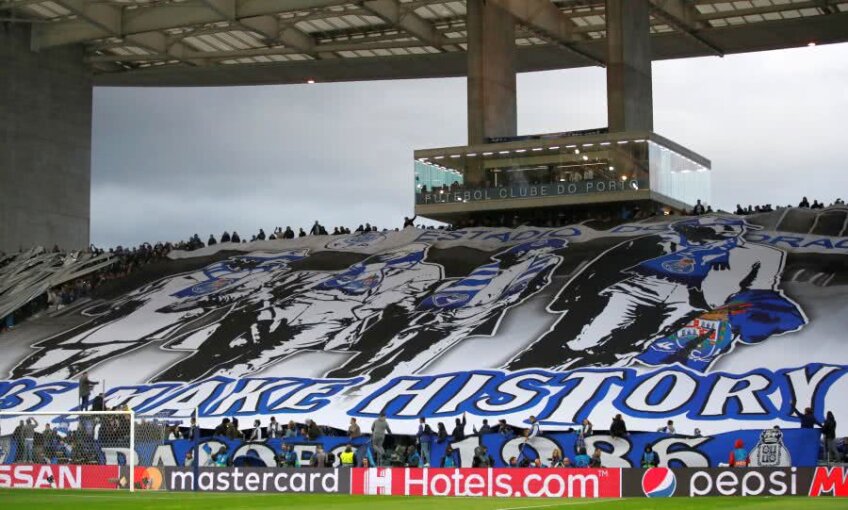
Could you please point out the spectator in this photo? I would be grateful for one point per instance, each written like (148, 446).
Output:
(353, 430)
(739, 455)
(698, 209)
(301, 233)
(275, 430)
(211, 241)
(585, 431)
(513, 462)
(808, 420)
(482, 459)
(189, 458)
(582, 460)
(319, 460)
(412, 457)
(289, 456)
(191, 432)
(534, 434)
(442, 433)
(425, 438)
(312, 431)
(805, 204)
(668, 428)
(347, 457)
(556, 458)
(697, 433)
(261, 235)
(618, 427)
(256, 433)
(316, 229)
(504, 429)
(28, 436)
(484, 429)
(98, 404)
(291, 429)
(220, 459)
(829, 431)
(221, 429)
(379, 430)
(289, 233)
(232, 433)
(225, 237)
(596, 461)
(451, 458)
(409, 222)
(459, 429)
(236, 238)
(85, 387)
(650, 458)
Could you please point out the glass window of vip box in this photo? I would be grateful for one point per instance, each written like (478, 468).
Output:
(679, 176)
(502, 171)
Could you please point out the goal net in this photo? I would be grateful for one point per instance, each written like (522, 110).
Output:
(74, 450)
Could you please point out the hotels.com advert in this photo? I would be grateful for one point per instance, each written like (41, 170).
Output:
(534, 483)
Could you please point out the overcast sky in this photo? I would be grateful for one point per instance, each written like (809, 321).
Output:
(167, 163)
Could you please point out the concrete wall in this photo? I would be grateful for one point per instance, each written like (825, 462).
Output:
(45, 144)
(629, 88)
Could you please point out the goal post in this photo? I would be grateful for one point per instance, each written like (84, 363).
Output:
(72, 450)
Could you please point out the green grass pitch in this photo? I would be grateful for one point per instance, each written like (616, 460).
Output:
(96, 500)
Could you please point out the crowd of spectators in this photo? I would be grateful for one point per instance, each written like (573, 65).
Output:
(123, 261)
(127, 260)
(767, 208)
(73, 440)
(386, 449)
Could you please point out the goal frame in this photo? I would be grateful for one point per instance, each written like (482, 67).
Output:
(130, 414)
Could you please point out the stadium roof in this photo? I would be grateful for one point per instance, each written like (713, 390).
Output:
(230, 42)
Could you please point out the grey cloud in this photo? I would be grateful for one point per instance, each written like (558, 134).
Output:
(171, 162)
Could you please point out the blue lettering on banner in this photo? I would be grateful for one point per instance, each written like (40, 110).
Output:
(717, 396)
(505, 236)
(565, 398)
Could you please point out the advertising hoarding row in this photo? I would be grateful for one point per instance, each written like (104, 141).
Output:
(456, 482)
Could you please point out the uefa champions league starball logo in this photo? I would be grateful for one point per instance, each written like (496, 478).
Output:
(659, 482)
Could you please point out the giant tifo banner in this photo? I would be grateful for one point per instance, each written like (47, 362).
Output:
(716, 322)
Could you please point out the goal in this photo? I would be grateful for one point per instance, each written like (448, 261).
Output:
(73, 450)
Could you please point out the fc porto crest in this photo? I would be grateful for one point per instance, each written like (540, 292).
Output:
(682, 265)
(770, 450)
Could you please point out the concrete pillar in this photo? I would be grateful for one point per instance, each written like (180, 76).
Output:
(629, 99)
(492, 110)
(45, 144)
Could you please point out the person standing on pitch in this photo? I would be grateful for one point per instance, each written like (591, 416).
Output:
(379, 429)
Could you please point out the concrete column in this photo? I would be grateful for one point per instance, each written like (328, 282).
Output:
(629, 101)
(45, 144)
(492, 110)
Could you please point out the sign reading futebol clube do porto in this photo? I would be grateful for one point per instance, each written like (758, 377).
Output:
(522, 191)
